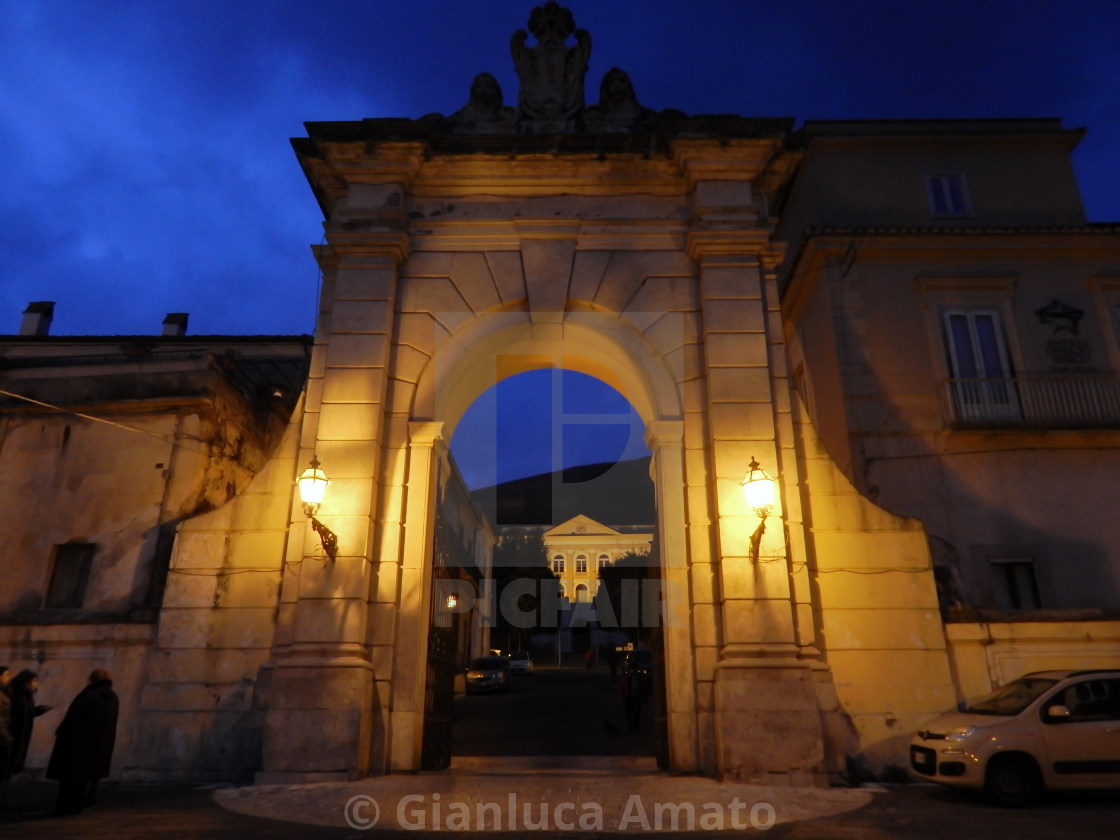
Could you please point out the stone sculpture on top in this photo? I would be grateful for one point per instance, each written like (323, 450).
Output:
(551, 94)
(484, 113)
(551, 73)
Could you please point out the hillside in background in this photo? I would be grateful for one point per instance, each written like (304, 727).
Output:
(614, 494)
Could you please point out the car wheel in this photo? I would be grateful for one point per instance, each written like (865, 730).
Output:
(1012, 781)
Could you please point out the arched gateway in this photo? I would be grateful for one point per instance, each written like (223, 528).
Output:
(632, 246)
(646, 249)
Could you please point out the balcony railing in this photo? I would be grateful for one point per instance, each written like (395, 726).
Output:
(1045, 399)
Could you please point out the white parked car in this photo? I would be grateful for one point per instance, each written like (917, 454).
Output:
(1045, 730)
(520, 662)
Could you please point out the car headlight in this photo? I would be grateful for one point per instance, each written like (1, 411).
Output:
(961, 733)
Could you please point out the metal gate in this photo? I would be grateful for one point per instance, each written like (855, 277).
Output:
(442, 665)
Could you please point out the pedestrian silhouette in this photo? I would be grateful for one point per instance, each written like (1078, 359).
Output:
(24, 711)
(83, 747)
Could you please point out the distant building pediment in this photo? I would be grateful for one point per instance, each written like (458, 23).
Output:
(581, 526)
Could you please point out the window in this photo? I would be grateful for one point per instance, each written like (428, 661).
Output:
(1014, 583)
(1106, 299)
(981, 384)
(604, 561)
(1088, 700)
(558, 564)
(67, 587)
(581, 564)
(948, 194)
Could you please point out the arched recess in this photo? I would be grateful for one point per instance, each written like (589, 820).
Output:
(490, 348)
(494, 346)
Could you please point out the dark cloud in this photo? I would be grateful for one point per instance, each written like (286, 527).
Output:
(146, 160)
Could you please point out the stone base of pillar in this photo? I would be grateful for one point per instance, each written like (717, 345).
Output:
(768, 723)
(841, 740)
(320, 720)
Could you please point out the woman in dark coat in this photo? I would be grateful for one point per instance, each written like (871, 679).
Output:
(83, 746)
(24, 711)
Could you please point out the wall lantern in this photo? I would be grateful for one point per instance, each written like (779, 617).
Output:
(312, 485)
(452, 600)
(758, 488)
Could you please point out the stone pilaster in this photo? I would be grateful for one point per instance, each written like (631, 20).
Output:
(425, 451)
(665, 438)
(319, 693)
(767, 719)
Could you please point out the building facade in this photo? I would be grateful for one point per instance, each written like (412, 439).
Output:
(909, 324)
(579, 548)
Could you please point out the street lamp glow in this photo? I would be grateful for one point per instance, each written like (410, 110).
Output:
(758, 488)
(312, 485)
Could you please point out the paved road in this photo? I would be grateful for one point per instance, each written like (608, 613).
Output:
(573, 711)
(559, 713)
(926, 812)
(913, 812)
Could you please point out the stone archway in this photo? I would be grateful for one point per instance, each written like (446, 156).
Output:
(600, 346)
(632, 245)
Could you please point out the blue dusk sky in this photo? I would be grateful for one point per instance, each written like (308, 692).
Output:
(146, 159)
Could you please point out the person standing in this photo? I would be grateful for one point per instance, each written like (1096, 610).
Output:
(5, 730)
(24, 711)
(83, 746)
(635, 691)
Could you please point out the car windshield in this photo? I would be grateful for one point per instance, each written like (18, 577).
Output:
(488, 663)
(519, 654)
(1012, 698)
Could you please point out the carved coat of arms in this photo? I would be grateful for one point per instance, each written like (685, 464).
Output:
(551, 73)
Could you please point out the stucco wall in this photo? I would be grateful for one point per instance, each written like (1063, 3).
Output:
(69, 479)
(879, 624)
(869, 335)
(63, 655)
(876, 174)
(988, 655)
(197, 716)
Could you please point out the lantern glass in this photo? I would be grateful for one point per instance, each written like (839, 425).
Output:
(313, 484)
(758, 487)
(759, 493)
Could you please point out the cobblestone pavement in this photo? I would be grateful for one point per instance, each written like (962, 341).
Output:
(915, 812)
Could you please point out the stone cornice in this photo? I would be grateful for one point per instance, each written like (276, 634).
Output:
(384, 163)
(548, 174)
(198, 403)
(369, 244)
(425, 432)
(937, 246)
(508, 234)
(331, 167)
(667, 433)
(703, 243)
(724, 160)
(428, 162)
